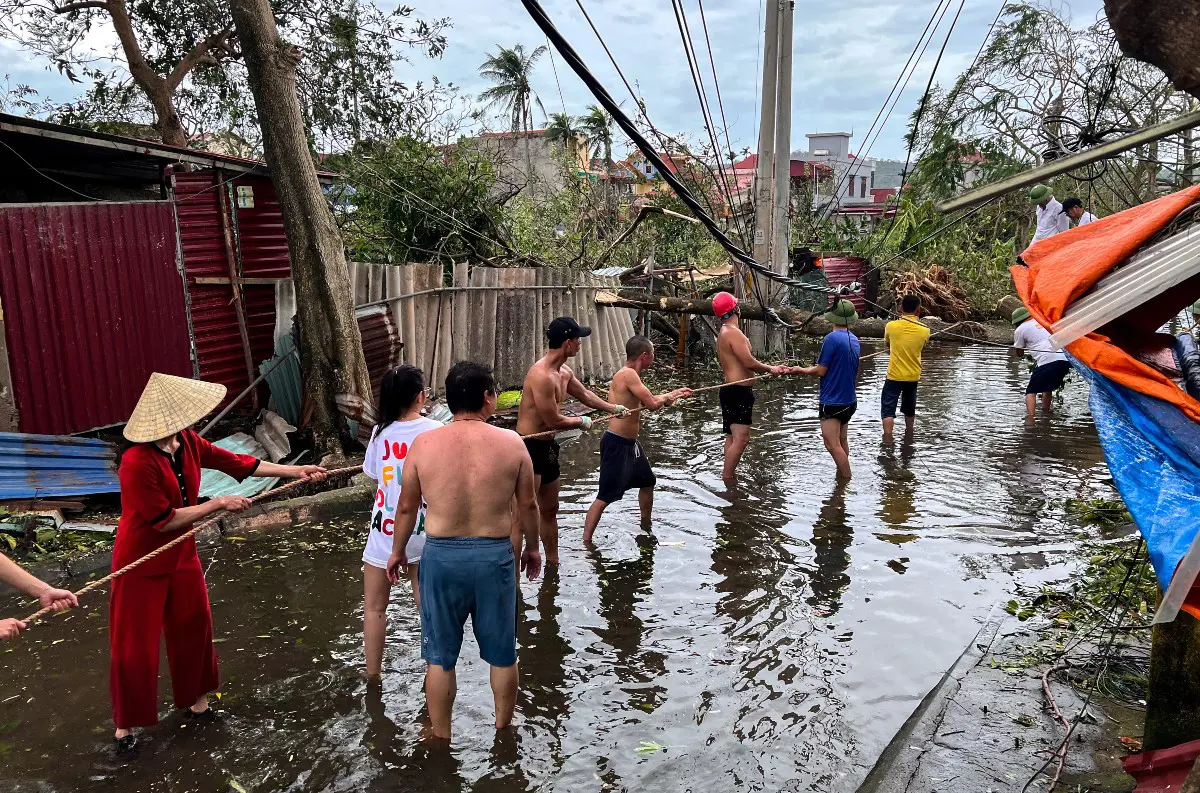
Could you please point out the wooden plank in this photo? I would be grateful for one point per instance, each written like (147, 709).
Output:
(489, 318)
(208, 280)
(411, 342)
(461, 349)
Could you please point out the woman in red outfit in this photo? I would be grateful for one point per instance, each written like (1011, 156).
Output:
(160, 482)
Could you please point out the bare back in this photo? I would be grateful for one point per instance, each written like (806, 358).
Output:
(620, 392)
(469, 472)
(733, 351)
(529, 416)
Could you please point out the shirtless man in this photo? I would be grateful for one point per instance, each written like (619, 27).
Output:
(547, 384)
(737, 363)
(623, 463)
(469, 474)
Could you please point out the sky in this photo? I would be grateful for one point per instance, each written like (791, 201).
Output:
(846, 57)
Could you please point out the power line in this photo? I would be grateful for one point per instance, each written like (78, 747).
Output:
(605, 99)
(917, 124)
(556, 82)
(905, 69)
(45, 175)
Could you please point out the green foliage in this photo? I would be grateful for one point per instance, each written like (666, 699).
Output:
(509, 71)
(597, 125)
(347, 77)
(561, 128)
(410, 201)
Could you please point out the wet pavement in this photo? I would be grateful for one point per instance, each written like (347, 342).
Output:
(773, 638)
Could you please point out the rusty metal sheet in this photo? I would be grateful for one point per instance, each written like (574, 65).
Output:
(381, 344)
(845, 270)
(42, 466)
(93, 304)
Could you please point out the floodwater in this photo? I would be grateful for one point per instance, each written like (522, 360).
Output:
(774, 638)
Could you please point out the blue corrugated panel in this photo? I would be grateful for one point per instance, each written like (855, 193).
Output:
(214, 483)
(285, 381)
(43, 466)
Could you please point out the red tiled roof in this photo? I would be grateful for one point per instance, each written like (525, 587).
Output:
(797, 169)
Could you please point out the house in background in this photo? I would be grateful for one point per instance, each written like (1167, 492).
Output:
(852, 177)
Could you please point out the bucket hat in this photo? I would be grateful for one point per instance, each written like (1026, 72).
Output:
(169, 404)
(1039, 193)
(1019, 316)
(842, 313)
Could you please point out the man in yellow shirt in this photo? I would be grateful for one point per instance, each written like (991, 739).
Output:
(905, 338)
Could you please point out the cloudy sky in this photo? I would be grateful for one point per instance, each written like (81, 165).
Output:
(846, 57)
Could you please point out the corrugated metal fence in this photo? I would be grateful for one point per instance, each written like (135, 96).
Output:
(493, 315)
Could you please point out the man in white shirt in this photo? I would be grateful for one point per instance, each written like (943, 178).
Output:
(1073, 208)
(1050, 217)
(1051, 365)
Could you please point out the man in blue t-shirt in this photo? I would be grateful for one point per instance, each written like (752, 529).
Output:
(837, 366)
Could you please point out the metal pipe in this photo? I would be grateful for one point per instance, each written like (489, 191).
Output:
(242, 395)
(1086, 157)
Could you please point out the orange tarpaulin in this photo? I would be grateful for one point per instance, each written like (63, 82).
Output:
(1064, 267)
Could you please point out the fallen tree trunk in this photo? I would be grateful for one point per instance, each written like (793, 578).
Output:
(803, 321)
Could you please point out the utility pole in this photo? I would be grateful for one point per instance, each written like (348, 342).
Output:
(773, 169)
(780, 256)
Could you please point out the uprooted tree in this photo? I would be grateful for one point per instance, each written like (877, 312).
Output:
(177, 64)
(331, 348)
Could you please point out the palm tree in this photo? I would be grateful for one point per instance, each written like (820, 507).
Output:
(597, 125)
(561, 128)
(508, 71)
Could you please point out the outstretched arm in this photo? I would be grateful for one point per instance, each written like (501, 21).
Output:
(549, 410)
(745, 356)
(651, 402)
(589, 398)
(15, 576)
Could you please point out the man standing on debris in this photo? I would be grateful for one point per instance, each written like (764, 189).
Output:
(15, 576)
(737, 397)
(623, 463)
(469, 475)
(1051, 364)
(548, 383)
(837, 366)
(1050, 217)
(905, 338)
(1073, 208)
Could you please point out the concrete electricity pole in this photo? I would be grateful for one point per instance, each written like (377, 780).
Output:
(773, 169)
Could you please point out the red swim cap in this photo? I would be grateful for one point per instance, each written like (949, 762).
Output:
(724, 303)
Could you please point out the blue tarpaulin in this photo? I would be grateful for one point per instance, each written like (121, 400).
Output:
(1153, 452)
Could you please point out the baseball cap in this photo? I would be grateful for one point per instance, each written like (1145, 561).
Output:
(564, 329)
(724, 304)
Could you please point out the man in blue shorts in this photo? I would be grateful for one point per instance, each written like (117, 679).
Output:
(1051, 366)
(468, 473)
(837, 366)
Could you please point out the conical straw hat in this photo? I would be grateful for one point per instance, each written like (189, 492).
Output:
(170, 404)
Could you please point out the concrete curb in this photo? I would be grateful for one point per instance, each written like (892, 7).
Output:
(900, 762)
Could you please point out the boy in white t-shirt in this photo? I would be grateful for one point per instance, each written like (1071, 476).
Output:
(401, 398)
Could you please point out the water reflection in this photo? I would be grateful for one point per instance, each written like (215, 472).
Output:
(763, 643)
(831, 538)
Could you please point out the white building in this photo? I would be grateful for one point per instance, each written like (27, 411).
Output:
(853, 178)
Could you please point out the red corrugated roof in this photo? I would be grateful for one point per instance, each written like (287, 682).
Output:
(799, 168)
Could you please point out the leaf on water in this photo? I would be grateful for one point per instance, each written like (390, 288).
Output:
(264, 636)
(678, 544)
(218, 641)
(234, 538)
(57, 641)
(647, 747)
(237, 786)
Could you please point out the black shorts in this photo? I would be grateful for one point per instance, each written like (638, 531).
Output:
(842, 413)
(737, 406)
(902, 391)
(1048, 377)
(623, 466)
(544, 453)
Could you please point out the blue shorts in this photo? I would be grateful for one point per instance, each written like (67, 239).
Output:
(903, 392)
(462, 577)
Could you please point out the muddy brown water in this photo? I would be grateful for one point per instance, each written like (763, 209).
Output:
(774, 638)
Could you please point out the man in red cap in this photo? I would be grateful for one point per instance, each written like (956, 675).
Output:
(737, 363)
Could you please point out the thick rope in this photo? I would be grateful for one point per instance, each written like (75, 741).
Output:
(199, 527)
(269, 494)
